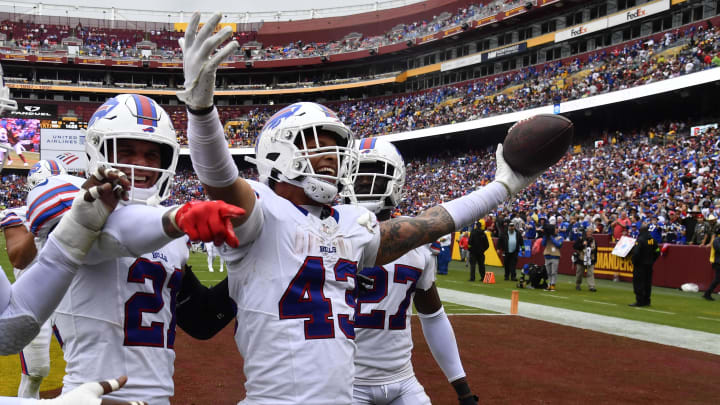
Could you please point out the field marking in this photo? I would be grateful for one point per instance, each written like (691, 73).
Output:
(663, 334)
(600, 302)
(478, 314)
(709, 319)
(557, 296)
(656, 310)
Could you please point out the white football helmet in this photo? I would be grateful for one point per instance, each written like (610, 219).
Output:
(378, 183)
(41, 171)
(282, 154)
(133, 117)
(6, 103)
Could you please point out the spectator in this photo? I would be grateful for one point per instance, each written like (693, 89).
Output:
(477, 245)
(511, 241)
(584, 258)
(552, 243)
(715, 263)
(644, 254)
(463, 246)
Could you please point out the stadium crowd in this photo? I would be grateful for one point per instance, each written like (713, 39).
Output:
(638, 63)
(662, 175)
(632, 178)
(119, 43)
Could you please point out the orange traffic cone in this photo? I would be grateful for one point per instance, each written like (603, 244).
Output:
(489, 278)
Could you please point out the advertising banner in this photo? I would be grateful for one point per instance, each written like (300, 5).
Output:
(65, 142)
(39, 111)
(634, 13)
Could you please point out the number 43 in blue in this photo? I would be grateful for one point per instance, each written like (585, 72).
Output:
(304, 298)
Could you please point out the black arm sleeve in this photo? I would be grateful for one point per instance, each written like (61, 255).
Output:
(202, 312)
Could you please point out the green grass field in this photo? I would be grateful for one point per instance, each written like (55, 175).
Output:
(669, 306)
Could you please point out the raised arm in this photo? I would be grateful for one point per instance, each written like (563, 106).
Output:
(400, 235)
(31, 300)
(20, 245)
(209, 151)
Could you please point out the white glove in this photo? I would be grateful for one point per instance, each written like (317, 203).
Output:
(90, 394)
(81, 225)
(199, 63)
(513, 181)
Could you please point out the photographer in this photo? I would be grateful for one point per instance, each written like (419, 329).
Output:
(584, 257)
(477, 245)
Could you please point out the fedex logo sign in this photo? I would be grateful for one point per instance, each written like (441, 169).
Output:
(578, 31)
(640, 12)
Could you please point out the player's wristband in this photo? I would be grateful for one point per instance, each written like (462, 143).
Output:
(200, 111)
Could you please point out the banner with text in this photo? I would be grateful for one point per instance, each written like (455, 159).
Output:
(64, 142)
(37, 111)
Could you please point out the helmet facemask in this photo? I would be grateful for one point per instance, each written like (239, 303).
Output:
(321, 184)
(378, 183)
(123, 123)
(141, 194)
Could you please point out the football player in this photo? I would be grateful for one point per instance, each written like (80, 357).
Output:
(293, 275)
(22, 249)
(212, 252)
(137, 261)
(383, 370)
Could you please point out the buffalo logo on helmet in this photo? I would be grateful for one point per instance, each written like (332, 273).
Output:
(281, 115)
(103, 110)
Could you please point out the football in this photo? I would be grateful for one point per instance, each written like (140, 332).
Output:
(536, 143)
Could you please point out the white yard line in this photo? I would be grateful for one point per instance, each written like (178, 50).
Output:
(709, 319)
(600, 302)
(667, 335)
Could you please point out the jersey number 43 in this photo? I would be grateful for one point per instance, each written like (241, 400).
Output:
(304, 297)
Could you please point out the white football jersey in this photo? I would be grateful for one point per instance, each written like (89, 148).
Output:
(294, 287)
(118, 316)
(382, 318)
(13, 217)
(49, 200)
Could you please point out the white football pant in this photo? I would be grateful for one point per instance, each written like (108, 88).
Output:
(35, 363)
(407, 392)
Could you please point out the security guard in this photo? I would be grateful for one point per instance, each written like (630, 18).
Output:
(645, 252)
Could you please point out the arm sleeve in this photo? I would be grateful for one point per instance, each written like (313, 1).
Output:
(5, 291)
(202, 312)
(209, 151)
(34, 297)
(440, 338)
(469, 208)
(130, 231)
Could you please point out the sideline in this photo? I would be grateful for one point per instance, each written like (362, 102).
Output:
(666, 335)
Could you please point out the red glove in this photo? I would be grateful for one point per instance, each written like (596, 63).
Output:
(209, 221)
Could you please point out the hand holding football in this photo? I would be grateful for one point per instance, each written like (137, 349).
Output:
(536, 143)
